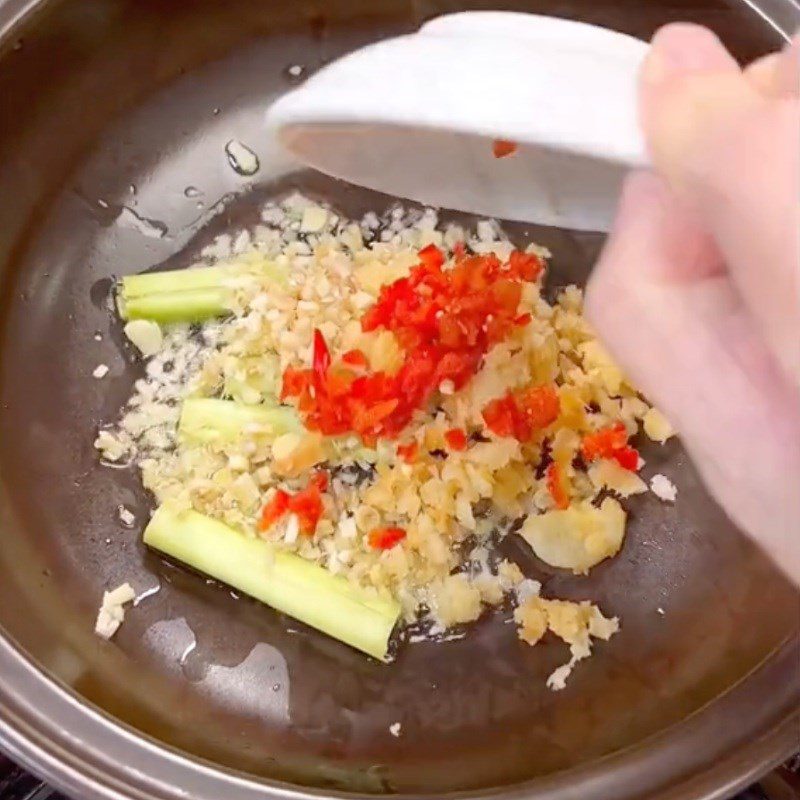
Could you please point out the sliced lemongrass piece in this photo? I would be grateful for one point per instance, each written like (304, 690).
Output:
(192, 305)
(194, 294)
(282, 580)
(180, 280)
(175, 280)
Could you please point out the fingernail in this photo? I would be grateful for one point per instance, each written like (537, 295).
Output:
(682, 48)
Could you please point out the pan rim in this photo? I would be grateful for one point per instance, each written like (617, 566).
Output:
(62, 746)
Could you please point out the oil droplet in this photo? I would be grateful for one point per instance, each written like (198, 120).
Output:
(152, 228)
(215, 111)
(207, 213)
(132, 188)
(276, 687)
(17, 45)
(102, 203)
(147, 593)
(294, 73)
(185, 654)
(192, 191)
(241, 158)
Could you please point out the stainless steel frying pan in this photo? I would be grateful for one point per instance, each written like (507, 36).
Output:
(108, 105)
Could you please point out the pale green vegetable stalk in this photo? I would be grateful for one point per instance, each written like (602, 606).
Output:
(282, 580)
(192, 305)
(190, 295)
(208, 420)
(176, 280)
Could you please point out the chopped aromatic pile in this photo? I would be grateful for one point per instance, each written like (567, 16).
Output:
(341, 419)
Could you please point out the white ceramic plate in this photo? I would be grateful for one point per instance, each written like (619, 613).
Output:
(415, 117)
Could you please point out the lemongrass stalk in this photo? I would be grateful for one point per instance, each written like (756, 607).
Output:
(179, 280)
(191, 295)
(192, 305)
(282, 580)
(209, 420)
(175, 280)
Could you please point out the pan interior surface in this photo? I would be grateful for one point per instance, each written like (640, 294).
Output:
(116, 163)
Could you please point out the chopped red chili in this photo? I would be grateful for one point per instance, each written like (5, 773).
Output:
(555, 485)
(541, 405)
(527, 266)
(296, 383)
(306, 504)
(456, 439)
(431, 257)
(602, 443)
(408, 452)
(610, 442)
(321, 480)
(504, 418)
(501, 148)
(445, 319)
(355, 358)
(322, 360)
(521, 415)
(274, 510)
(385, 538)
(627, 457)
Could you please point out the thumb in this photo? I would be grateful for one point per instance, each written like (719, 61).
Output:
(691, 88)
(729, 152)
(689, 344)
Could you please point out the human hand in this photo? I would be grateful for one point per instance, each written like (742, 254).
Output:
(697, 292)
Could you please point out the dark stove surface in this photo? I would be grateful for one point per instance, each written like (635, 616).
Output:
(17, 784)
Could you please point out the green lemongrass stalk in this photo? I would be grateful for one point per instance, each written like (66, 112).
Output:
(175, 280)
(192, 305)
(208, 420)
(282, 580)
(190, 295)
